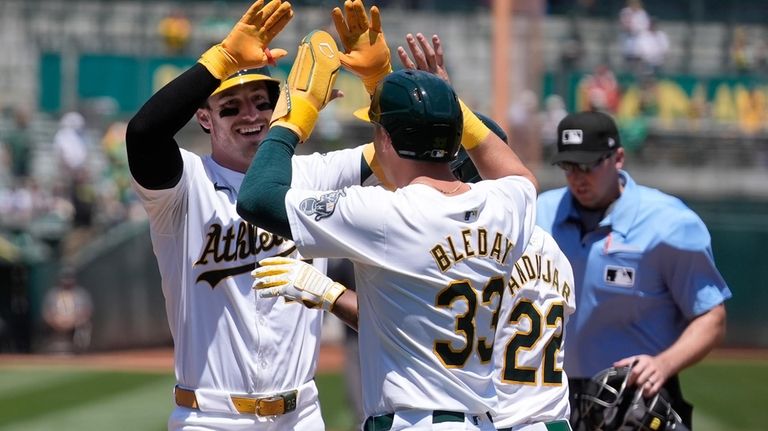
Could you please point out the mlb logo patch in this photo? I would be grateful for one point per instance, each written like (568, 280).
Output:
(572, 137)
(621, 276)
(470, 215)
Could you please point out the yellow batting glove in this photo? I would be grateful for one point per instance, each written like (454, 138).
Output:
(366, 53)
(310, 84)
(295, 280)
(475, 131)
(245, 46)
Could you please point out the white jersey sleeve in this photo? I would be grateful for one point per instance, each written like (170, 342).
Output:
(429, 271)
(528, 354)
(312, 171)
(227, 338)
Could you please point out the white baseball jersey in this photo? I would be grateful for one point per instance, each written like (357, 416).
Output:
(228, 339)
(530, 381)
(429, 271)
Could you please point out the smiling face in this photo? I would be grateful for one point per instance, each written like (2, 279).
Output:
(238, 120)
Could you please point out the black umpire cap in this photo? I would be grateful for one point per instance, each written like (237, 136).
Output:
(584, 137)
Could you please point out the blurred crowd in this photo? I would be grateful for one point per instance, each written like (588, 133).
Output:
(645, 94)
(61, 186)
(64, 183)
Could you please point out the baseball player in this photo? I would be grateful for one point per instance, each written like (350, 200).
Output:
(241, 361)
(528, 350)
(531, 386)
(430, 258)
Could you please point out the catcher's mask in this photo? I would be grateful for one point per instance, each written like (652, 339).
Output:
(421, 113)
(610, 404)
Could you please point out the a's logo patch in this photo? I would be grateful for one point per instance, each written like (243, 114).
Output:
(572, 137)
(323, 207)
(621, 276)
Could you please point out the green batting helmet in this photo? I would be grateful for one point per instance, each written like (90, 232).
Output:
(462, 166)
(421, 113)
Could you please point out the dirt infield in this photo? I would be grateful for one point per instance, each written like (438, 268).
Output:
(739, 354)
(153, 360)
(161, 360)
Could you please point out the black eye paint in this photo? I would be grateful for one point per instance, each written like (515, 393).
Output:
(264, 106)
(228, 112)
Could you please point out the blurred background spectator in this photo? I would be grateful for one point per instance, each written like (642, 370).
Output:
(600, 90)
(652, 48)
(19, 143)
(633, 21)
(70, 146)
(741, 52)
(67, 310)
(72, 151)
(175, 29)
(115, 192)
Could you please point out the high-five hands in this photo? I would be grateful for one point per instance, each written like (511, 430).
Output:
(366, 53)
(430, 58)
(309, 86)
(246, 44)
(426, 57)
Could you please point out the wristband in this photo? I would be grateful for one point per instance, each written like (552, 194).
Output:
(219, 62)
(297, 114)
(474, 131)
(370, 82)
(332, 294)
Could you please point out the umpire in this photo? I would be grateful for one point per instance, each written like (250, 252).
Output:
(648, 292)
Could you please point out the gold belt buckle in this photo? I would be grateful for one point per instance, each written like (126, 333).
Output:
(277, 404)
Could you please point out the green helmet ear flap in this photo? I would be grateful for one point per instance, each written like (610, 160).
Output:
(421, 113)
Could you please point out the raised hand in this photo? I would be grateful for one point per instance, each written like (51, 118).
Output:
(366, 53)
(309, 86)
(425, 56)
(246, 44)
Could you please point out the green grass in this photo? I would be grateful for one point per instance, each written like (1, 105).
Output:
(337, 413)
(66, 399)
(727, 395)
